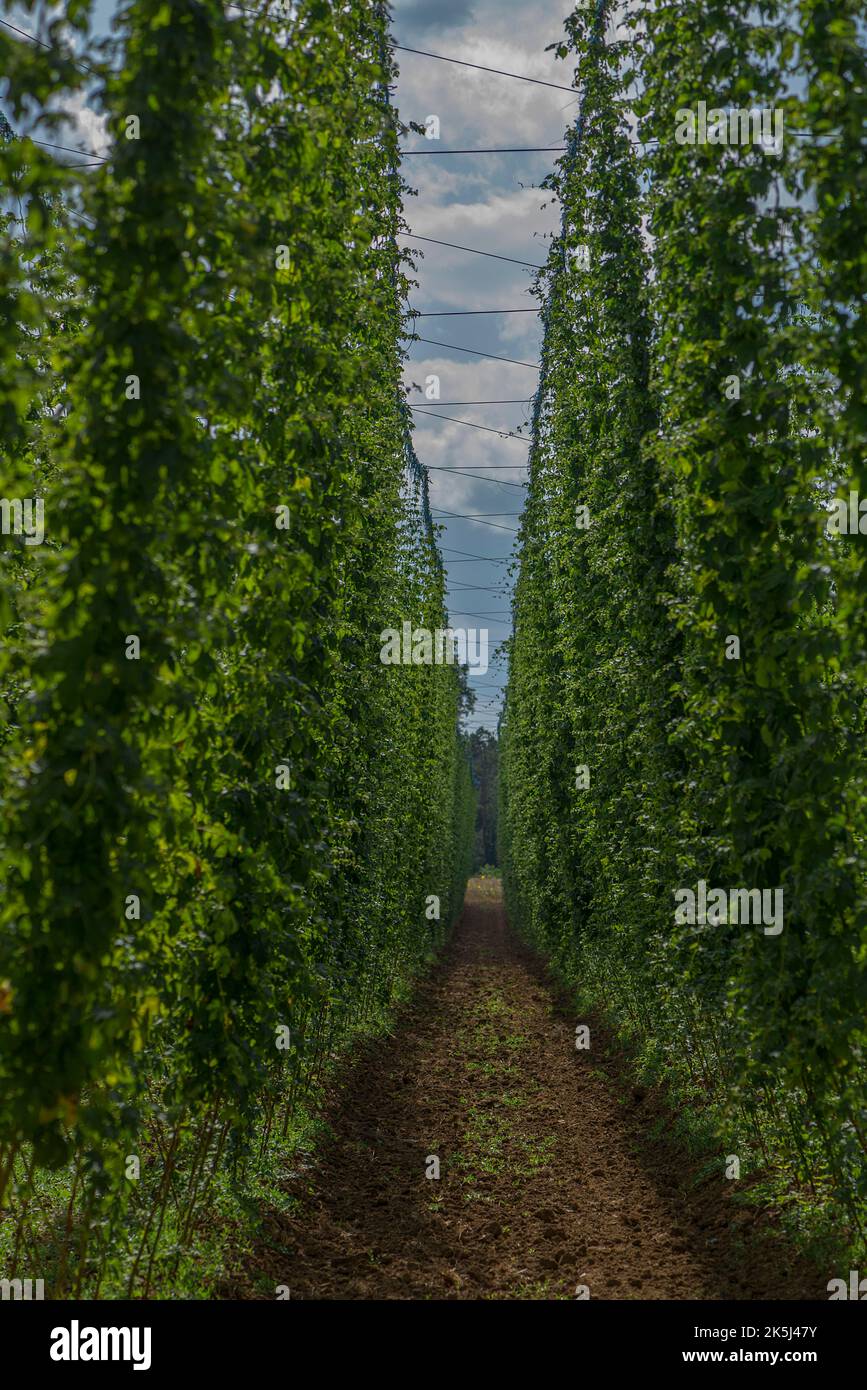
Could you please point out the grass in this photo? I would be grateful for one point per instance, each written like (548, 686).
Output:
(493, 1144)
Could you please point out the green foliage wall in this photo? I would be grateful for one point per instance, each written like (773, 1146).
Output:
(223, 817)
(639, 756)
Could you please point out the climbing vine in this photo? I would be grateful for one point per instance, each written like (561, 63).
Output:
(230, 832)
(684, 706)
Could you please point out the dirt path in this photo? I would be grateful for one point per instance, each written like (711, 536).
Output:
(548, 1179)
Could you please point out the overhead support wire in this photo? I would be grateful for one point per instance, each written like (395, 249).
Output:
(91, 154)
(456, 347)
(480, 477)
(461, 588)
(489, 429)
(494, 256)
(493, 559)
(52, 48)
(510, 149)
(463, 313)
(496, 525)
(524, 400)
(465, 613)
(499, 72)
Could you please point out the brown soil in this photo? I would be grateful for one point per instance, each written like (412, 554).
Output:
(549, 1178)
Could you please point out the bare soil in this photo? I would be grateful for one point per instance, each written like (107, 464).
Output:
(549, 1177)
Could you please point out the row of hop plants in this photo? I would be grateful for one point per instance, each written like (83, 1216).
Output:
(223, 822)
(700, 409)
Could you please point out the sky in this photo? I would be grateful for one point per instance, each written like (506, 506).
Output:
(490, 202)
